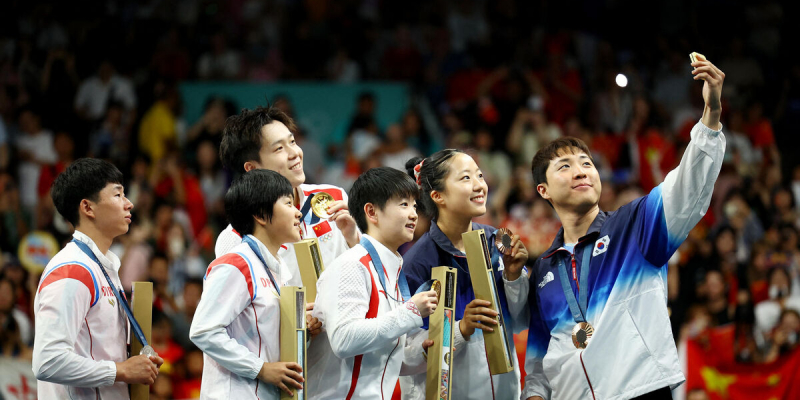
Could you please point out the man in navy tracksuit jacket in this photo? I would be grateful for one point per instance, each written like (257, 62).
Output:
(609, 269)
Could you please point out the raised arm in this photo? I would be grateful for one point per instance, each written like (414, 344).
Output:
(685, 194)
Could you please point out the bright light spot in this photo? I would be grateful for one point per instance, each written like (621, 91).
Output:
(622, 80)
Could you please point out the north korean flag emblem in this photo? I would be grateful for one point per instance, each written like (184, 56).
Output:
(601, 245)
(321, 228)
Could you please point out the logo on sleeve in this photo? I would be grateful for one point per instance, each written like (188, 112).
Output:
(601, 245)
(547, 279)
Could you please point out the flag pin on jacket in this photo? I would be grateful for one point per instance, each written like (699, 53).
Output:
(601, 245)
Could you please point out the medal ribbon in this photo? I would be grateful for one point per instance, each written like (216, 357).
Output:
(253, 246)
(402, 283)
(308, 216)
(137, 330)
(577, 306)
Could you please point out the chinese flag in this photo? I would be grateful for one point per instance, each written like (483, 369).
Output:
(321, 228)
(710, 365)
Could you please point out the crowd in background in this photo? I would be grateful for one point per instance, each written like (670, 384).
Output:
(502, 77)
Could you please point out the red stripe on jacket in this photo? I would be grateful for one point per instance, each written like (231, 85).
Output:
(240, 263)
(71, 271)
(372, 312)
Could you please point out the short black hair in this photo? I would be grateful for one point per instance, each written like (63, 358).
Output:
(254, 194)
(378, 186)
(83, 179)
(242, 139)
(556, 148)
(432, 176)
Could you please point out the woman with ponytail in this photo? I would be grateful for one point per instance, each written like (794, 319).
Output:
(452, 193)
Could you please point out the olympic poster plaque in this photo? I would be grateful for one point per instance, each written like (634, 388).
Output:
(440, 330)
(309, 261)
(498, 348)
(293, 332)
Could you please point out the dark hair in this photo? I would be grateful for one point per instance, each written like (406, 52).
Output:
(432, 176)
(83, 179)
(254, 194)
(242, 139)
(378, 186)
(565, 145)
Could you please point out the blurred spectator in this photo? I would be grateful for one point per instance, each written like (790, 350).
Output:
(15, 326)
(759, 129)
(59, 84)
(35, 149)
(163, 344)
(213, 181)
(748, 229)
(65, 150)
(188, 387)
(562, 88)
(171, 179)
(743, 75)
(785, 337)
(210, 125)
(158, 130)
(613, 107)
(414, 130)
(670, 86)
(738, 150)
(468, 26)
(768, 313)
(13, 225)
(715, 291)
(105, 142)
(530, 130)
(219, 62)
(697, 394)
(343, 69)
(395, 151)
(162, 389)
(495, 164)
(96, 92)
(187, 305)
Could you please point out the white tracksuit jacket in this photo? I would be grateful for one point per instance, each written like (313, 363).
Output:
(237, 324)
(81, 331)
(362, 355)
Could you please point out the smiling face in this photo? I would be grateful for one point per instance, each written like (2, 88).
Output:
(280, 153)
(112, 211)
(285, 224)
(573, 182)
(396, 222)
(465, 191)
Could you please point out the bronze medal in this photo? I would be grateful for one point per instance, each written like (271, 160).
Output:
(581, 334)
(320, 203)
(502, 239)
(437, 287)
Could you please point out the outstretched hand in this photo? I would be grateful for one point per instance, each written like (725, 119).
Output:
(713, 78)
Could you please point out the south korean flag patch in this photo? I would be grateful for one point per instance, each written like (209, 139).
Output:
(601, 245)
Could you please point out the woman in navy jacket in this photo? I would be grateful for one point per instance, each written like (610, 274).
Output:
(453, 192)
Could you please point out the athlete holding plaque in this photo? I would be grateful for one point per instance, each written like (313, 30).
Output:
(263, 138)
(599, 326)
(364, 301)
(237, 323)
(80, 348)
(453, 192)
